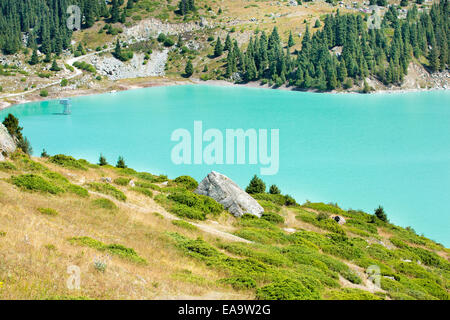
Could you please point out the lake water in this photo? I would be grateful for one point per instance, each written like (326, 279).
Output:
(360, 151)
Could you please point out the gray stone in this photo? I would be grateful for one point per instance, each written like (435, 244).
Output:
(7, 143)
(229, 194)
(339, 219)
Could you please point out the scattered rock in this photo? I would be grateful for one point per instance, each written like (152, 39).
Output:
(106, 179)
(132, 184)
(229, 194)
(338, 219)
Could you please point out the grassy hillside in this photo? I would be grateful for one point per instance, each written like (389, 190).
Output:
(158, 240)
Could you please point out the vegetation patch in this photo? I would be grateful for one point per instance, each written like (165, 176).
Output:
(103, 203)
(115, 249)
(67, 162)
(184, 225)
(107, 189)
(32, 182)
(48, 211)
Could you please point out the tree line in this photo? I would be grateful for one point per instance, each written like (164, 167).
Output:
(344, 51)
(44, 22)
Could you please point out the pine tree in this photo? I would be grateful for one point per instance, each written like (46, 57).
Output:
(34, 58)
(274, 190)
(291, 42)
(121, 163)
(256, 185)
(218, 49)
(228, 44)
(189, 70)
(102, 161)
(115, 11)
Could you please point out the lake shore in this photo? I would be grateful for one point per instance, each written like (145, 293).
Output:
(140, 83)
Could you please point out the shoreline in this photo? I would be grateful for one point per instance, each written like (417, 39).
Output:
(123, 85)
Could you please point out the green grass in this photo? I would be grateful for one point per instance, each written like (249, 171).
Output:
(48, 211)
(115, 249)
(108, 189)
(32, 182)
(351, 294)
(67, 162)
(103, 203)
(184, 225)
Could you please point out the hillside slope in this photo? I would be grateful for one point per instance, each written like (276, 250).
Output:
(153, 238)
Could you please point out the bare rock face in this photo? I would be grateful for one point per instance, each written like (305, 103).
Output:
(226, 192)
(7, 144)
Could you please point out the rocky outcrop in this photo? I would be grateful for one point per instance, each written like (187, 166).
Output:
(135, 68)
(7, 144)
(229, 194)
(338, 219)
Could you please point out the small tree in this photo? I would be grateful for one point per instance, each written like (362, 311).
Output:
(34, 58)
(291, 42)
(256, 185)
(274, 190)
(102, 161)
(218, 49)
(55, 66)
(380, 214)
(189, 70)
(11, 123)
(317, 24)
(44, 154)
(121, 163)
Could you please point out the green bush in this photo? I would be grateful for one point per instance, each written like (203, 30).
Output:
(182, 210)
(272, 217)
(322, 207)
(116, 249)
(201, 203)
(286, 289)
(240, 283)
(187, 182)
(79, 191)
(103, 203)
(107, 189)
(7, 166)
(43, 93)
(34, 182)
(122, 181)
(184, 224)
(351, 294)
(66, 161)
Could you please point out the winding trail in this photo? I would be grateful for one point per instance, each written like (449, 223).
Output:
(70, 62)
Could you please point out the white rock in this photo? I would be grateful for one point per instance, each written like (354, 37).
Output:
(7, 144)
(229, 194)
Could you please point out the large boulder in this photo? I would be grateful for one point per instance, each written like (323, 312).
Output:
(225, 191)
(7, 144)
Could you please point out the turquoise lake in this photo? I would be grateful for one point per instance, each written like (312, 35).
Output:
(360, 151)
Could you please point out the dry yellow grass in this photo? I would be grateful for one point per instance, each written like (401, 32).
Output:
(35, 253)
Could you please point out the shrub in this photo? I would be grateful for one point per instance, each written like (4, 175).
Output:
(79, 191)
(43, 93)
(240, 283)
(66, 161)
(34, 182)
(116, 249)
(187, 182)
(7, 166)
(351, 276)
(122, 181)
(182, 210)
(108, 189)
(272, 217)
(184, 224)
(143, 191)
(351, 294)
(103, 203)
(48, 211)
(286, 289)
